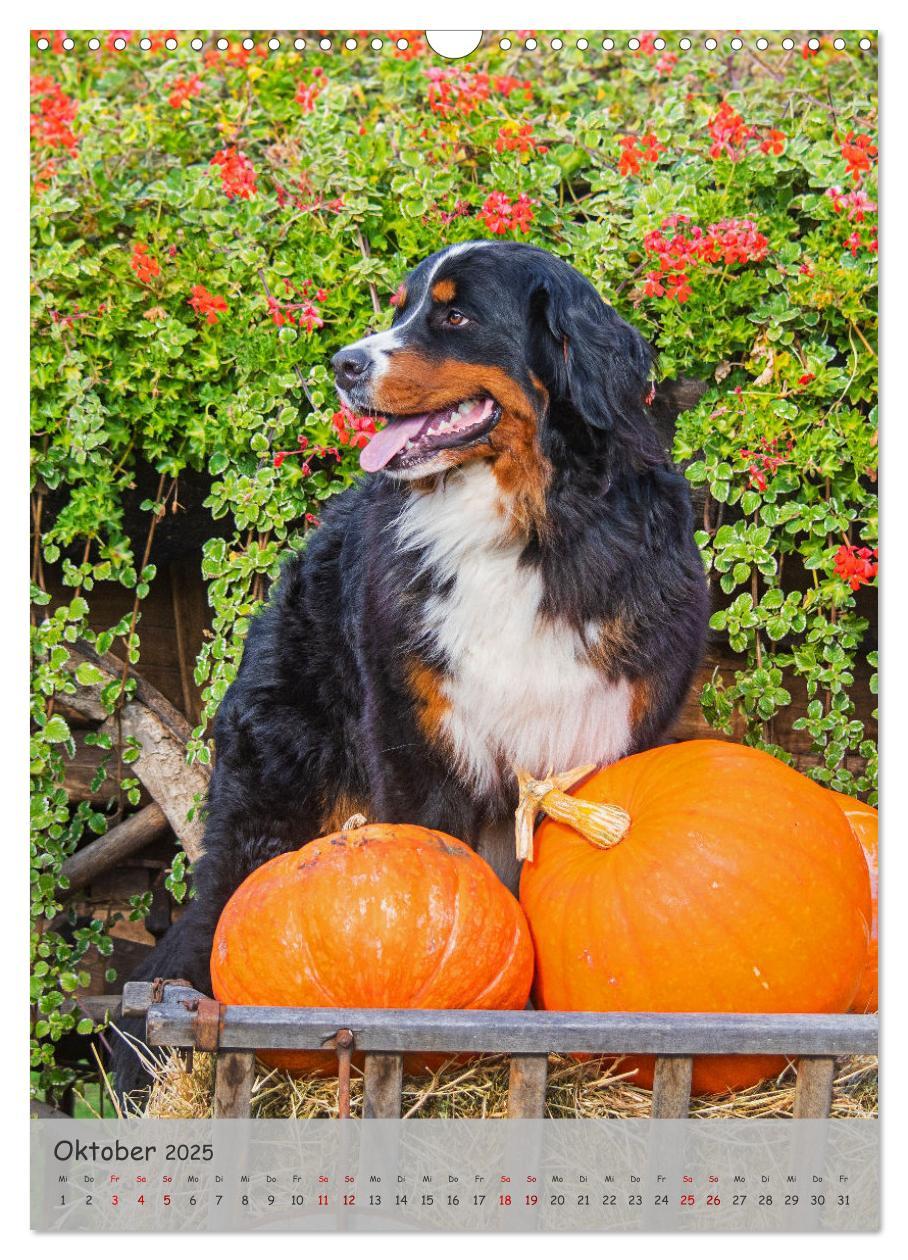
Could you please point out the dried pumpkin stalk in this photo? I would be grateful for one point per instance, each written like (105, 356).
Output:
(601, 824)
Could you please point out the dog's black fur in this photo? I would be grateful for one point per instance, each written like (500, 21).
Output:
(322, 718)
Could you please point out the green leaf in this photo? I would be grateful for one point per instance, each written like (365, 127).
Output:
(88, 674)
(56, 731)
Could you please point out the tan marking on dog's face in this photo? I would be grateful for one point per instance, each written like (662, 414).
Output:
(432, 705)
(413, 383)
(444, 290)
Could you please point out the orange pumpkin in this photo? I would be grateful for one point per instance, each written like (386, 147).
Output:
(381, 916)
(864, 821)
(737, 886)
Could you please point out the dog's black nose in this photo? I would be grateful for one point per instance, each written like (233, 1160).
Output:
(350, 366)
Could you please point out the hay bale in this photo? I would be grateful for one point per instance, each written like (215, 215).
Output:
(594, 1090)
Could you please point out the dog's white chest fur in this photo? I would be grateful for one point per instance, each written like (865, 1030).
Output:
(521, 690)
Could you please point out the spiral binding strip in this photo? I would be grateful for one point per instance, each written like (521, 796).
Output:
(531, 44)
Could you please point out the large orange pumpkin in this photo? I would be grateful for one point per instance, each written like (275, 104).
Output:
(380, 916)
(738, 886)
(864, 823)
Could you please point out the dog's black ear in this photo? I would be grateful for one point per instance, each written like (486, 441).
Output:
(589, 356)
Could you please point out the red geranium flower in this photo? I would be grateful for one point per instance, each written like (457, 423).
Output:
(857, 150)
(182, 89)
(206, 304)
(501, 215)
(142, 263)
(237, 173)
(51, 124)
(856, 565)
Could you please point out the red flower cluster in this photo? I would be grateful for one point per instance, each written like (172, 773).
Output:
(731, 135)
(729, 132)
(43, 176)
(773, 142)
(318, 452)
(637, 149)
(857, 204)
(302, 313)
(55, 39)
(51, 124)
(308, 93)
(301, 443)
(454, 91)
(354, 431)
(765, 461)
(856, 565)
(457, 91)
(514, 136)
(206, 304)
(667, 60)
(506, 84)
(142, 263)
(728, 242)
(857, 150)
(416, 45)
(237, 173)
(234, 55)
(182, 89)
(501, 215)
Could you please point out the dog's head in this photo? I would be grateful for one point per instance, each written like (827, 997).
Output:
(492, 344)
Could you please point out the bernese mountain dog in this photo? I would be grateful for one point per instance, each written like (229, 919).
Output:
(514, 582)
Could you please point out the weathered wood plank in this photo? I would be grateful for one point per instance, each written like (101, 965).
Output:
(95, 1006)
(382, 1083)
(671, 1086)
(162, 732)
(137, 997)
(234, 1074)
(523, 1032)
(813, 1091)
(526, 1086)
(121, 842)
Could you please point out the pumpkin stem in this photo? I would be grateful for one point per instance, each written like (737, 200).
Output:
(602, 825)
(355, 821)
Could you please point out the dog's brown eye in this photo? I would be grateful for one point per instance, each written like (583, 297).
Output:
(456, 319)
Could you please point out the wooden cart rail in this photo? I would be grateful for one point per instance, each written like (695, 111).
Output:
(177, 1015)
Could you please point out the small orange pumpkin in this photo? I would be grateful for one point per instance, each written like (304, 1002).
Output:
(378, 916)
(864, 821)
(732, 883)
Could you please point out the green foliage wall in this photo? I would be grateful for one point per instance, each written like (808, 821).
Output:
(208, 227)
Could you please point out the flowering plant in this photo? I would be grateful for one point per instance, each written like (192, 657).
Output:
(209, 227)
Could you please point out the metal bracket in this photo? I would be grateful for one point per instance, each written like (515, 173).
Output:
(342, 1043)
(159, 984)
(207, 1025)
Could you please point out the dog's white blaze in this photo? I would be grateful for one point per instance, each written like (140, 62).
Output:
(390, 338)
(522, 691)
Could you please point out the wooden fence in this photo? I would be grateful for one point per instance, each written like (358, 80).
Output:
(177, 1015)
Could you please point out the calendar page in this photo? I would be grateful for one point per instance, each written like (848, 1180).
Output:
(453, 567)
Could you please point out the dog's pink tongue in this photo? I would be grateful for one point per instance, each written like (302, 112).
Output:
(389, 441)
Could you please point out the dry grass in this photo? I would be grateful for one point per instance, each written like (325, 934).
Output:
(478, 1090)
